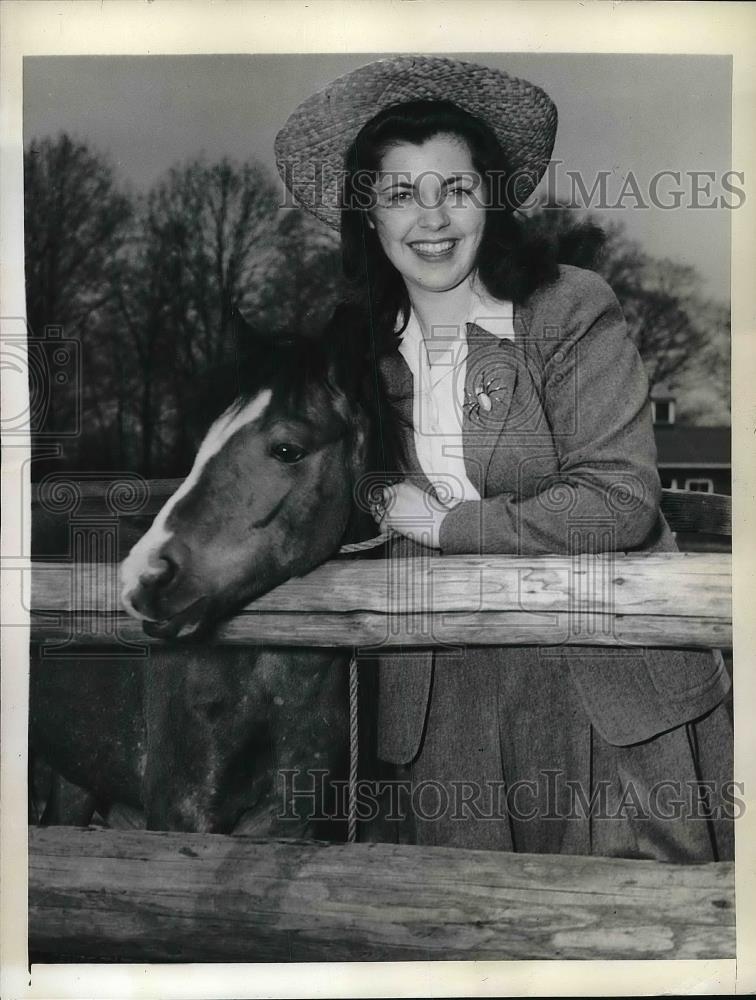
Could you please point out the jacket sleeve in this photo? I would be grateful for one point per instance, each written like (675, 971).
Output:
(606, 493)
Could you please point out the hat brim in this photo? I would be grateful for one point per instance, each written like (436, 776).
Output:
(311, 147)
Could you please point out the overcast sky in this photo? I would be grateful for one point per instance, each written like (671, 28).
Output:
(617, 113)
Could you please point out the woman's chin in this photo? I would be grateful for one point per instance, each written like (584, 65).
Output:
(439, 281)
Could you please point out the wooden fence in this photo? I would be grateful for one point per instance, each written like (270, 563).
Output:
(166, 897)
(195, 897)
(669, 599)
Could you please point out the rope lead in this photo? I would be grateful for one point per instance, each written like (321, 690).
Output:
(353, 751)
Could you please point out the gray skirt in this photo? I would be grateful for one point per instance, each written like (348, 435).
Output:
(510, 761)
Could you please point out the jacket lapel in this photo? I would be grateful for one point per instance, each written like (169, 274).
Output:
(490, 382)
(404, 687)
(398, 385)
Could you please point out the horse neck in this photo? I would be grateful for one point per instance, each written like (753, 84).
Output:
(359, 526)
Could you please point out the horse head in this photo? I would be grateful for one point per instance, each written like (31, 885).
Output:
(270, 494)
(199, 736)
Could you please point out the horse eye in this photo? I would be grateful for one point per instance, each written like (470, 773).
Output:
(288, 453)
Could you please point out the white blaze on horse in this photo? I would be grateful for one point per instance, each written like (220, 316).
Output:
(150, 572)
(196, 736)
(270, 495)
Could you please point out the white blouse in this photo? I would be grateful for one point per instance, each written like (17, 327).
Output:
(438, 368)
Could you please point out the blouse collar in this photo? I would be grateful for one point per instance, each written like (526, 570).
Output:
(495, 316)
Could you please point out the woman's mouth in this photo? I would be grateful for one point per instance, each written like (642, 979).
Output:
(433, 249)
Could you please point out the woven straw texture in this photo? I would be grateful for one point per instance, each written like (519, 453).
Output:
(311, 147)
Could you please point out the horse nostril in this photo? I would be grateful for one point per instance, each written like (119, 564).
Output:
(170, 568)
(160, 573)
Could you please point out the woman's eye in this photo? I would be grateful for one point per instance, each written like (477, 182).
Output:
(459, 196)
(400, 197)
(288, 453)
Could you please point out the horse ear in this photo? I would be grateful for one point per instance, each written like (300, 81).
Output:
(251, 341)
(251, 346)
(345, 337)
(243, 333)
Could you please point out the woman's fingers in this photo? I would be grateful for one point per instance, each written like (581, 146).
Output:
(406, 500)
(380, 505)
(408, 510)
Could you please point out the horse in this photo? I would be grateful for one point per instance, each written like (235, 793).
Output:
(198, 736)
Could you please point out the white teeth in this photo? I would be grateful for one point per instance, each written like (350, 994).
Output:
(439, 248)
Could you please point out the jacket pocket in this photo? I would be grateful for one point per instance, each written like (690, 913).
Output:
(679, 674)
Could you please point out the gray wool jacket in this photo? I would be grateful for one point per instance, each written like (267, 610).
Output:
(563, 457)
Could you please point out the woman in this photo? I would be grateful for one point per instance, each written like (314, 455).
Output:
(521, 410)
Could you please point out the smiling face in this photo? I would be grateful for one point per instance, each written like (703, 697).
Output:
(428, 216)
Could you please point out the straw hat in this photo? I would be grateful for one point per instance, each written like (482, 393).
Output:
(311, 147)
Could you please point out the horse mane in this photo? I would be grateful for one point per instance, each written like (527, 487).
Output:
(323, 374)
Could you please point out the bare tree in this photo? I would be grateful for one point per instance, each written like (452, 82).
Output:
(661, 304)
(703, 388)
(219, 223)
(303, 283)
(203, 243)
(75, 221)
(681, 335)
(148, 295)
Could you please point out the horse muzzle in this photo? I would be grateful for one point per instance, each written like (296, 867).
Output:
(191, 623)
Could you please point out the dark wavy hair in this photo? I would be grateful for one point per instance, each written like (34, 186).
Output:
(510, 265)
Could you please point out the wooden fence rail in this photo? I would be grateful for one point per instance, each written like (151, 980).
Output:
(146, 896)
(198, 897)
(669, 599)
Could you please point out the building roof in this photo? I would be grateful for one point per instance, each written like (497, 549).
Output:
(679, 445)
(661, 392)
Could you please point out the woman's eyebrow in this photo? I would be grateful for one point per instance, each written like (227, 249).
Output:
(392, 180)
(464, 175)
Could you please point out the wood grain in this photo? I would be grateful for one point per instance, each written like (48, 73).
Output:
(169, 896)
(707, 513)
(669, 599)
(373, 631)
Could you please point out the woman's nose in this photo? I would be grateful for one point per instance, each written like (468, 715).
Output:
(434, 217)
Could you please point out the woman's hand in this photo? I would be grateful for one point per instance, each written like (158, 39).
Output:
(412, 512)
